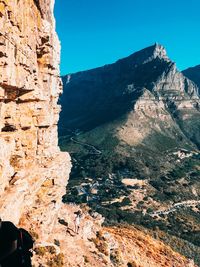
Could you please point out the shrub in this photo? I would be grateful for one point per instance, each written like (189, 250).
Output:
(51, 249)
(115, 257)
(41, 251)
(125, 202)
(56, 261)
(101, 245)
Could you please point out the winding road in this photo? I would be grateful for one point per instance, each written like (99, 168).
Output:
(174, 207)
(96, 151)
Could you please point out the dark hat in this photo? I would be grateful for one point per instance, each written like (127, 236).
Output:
(77, 212)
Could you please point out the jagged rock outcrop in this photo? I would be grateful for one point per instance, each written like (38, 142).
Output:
(33, 171)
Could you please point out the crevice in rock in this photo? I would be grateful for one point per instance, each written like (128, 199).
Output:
(26, 128)
(13, 92)
(45, 40)
(13, 179)
(9, 128)
(41, 51)
(20, 101)
(2, 54)
(43, 127)
(37, 3)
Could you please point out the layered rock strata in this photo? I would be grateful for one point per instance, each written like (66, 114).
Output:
(31, 164)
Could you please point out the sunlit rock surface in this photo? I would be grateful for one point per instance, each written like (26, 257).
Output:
(33, 171)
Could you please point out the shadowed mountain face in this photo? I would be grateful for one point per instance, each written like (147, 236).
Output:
(133, 130)
(102, 95)
(193, 74)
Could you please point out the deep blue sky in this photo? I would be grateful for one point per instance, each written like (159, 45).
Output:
(98, 32)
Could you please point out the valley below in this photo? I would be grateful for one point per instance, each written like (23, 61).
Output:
(166, 203)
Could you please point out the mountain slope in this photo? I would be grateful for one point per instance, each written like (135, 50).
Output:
(107, 89)
(145, 82)
(193, 74)
(105, 246)
(133, 130)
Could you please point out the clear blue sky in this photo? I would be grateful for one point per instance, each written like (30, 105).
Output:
(98, 32)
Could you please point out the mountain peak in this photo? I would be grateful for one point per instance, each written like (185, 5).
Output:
(157, 51)
(148, 54)
(160, 50)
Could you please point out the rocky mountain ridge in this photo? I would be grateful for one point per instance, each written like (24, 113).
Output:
(104, 94)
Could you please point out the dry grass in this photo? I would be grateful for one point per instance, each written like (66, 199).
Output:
(56, 261)
(140, 249)
(101, 243)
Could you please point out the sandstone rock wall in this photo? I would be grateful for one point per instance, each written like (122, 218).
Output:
(30, 160)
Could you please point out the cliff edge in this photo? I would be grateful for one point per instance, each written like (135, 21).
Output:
(33, 171)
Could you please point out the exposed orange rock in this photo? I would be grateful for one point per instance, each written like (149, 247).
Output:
(105, 246)
(29, 91)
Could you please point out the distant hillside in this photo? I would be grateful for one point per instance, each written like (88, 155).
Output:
(193, 74)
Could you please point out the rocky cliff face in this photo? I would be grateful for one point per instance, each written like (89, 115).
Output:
(33, 171)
